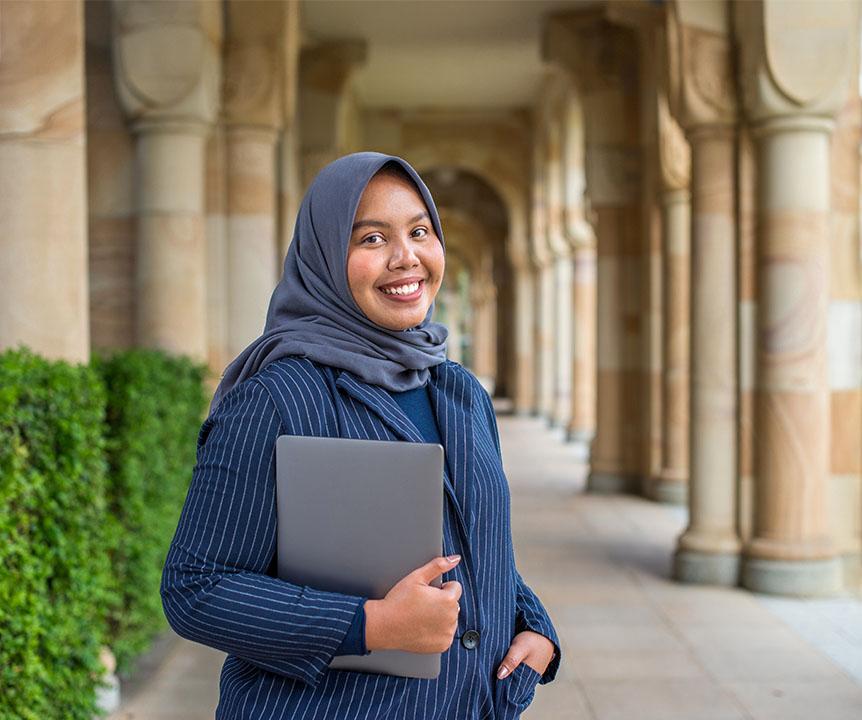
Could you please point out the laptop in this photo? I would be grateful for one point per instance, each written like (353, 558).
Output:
(356, 516)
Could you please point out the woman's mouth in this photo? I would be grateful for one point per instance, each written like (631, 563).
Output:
(407, 292)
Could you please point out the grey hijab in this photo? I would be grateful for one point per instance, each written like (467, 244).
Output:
(312, 313)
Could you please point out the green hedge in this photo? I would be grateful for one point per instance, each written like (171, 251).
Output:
(94, 465)
(54, 571)
(155, 408)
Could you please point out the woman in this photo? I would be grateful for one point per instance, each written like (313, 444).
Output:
(349, 351)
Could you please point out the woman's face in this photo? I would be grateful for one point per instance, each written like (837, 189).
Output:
(395, 259)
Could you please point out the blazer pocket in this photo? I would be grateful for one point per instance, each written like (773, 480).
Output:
(520, 687)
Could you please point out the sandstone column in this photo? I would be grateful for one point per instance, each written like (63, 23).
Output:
(702, 98)
(845, 340)
(166, 60)
(482, 298)
(671, 484)
(44, 302)
(525, 357)
(110, 193)
(796, 62)
(602, 59)
(290, 171)
(454, 321)
(561, 256)
(215, 200)
(252, 116)
(582, 240)
(543, 274)
(326, 103)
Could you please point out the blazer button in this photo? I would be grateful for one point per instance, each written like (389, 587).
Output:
(470, 639)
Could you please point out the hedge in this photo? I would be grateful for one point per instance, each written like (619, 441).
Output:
(155, 407)
(54, 571)
(94, 465)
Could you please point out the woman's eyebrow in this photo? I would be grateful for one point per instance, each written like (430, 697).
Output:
(380, 223)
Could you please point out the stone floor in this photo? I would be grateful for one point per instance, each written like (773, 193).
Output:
(635, 645)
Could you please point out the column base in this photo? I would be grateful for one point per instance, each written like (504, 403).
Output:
(581, 443)
(608, 483)
(667, 489)
(851, 566)
(792, 577)
(700, 568)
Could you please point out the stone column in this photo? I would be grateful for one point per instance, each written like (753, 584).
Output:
(325, 103)
(554, 116)
(674, 160)
(167, 71)
(702, 98)
(525, 388)
(845, 340)
(482, 295)
(582, 240)
(543, 274)
(796, 62)
(602, 59)
(454, 320)
(252, 117)
(110, 193)
(44, 301)
(290, 171)
(218, 353)
(545, 310)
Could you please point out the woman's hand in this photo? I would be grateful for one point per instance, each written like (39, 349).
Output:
(527, 647)
(416, 616)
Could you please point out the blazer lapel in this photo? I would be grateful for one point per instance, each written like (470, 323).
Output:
(378, 400)
(452, 402)
(391, 414)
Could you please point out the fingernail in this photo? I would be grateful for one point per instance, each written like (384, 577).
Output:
(502, 672)
(453, 558)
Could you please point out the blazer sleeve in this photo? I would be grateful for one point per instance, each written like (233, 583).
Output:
(215, 588)
(530, 614)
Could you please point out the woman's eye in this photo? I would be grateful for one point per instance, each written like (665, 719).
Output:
(422, 232)
(371, 240)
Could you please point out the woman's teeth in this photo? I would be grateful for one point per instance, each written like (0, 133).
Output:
(403, 290)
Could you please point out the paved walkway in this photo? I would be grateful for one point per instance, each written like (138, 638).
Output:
(636, 646)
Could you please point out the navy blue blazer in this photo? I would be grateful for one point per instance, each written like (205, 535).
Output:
(219, 585)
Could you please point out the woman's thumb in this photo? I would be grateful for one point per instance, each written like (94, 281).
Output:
(437, 567)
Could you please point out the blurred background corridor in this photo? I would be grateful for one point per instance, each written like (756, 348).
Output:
(654, 265)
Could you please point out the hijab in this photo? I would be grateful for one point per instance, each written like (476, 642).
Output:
(312, 312)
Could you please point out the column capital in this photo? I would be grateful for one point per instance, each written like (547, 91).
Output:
(796, 58)
(674, 152)
(699, 69)
(253, 63)
(166, 60)
(328, 65)
(596, 51)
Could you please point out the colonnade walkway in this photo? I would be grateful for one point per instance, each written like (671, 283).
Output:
(636, 646)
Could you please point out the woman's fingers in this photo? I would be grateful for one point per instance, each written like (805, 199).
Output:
(453, 587)
(513, 658)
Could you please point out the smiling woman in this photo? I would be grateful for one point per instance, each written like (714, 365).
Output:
(395, 264)
(349, 350)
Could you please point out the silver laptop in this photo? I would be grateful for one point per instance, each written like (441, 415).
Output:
(356, 516)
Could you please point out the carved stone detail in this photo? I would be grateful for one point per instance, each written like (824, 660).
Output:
(251, 94)
(166, 59)
(674, 151)
(796, 58)
(808, 47)
(700, 80)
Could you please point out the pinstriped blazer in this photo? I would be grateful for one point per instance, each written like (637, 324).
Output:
(219, 585)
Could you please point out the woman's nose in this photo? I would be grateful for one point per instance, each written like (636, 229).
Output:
(403, 255)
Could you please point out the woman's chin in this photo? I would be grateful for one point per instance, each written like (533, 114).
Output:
(400, 321)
